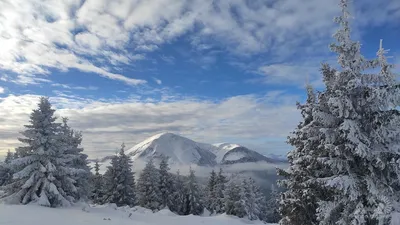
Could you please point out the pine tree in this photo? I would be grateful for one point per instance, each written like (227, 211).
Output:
(194, 197)
(71, 140)
(298, 204)
(98, 185)
(251, 200)
(211, 195)
(148, 191)
(110, 181)
(272, 205)
(219, 192)
(360, 132)
(178, 195)
(232, 199)
(42, 172)
(9, 157)
(5, 170)
(120, 181)
(166, 183)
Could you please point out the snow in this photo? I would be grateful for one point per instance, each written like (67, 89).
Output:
(180, 150)
(222, 149)
(106, 214)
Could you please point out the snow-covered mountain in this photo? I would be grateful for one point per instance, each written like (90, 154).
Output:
(179, 150)
(184, 151)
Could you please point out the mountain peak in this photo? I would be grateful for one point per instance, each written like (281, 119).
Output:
(178, 149)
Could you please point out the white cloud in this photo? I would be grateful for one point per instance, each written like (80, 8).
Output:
(158, 81)
(63, 34)
(2, 90)
(107, 124)
(291, 74)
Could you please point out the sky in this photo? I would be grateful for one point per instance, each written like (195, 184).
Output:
(210, 70)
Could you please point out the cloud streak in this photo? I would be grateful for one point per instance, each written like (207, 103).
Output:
(107, 124)
(70, 34)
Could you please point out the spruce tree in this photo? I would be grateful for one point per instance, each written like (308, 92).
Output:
(219, 192)
(252, 200)
(120, 181)
(71, 140)
(5, 170)
(211, 195)
(232, 199)
(178, 195)
(149, 195)
(98, 185)
(166, 183)
(9, 157)
(272, 206)
(194, 195)
(360, 131)
(42, 172)
(299, 201)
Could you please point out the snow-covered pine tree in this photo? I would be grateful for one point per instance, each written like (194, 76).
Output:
(42, 172)
(110, 181)
(166, 183)
(98, 185)
(195, 201)
(178, 195)
(149, 195)
(211, 195)
(299, 201)
(120, 181)
(71, 140)
(5, 170)
(219, 192)
(361, 132)
(272, 206)
(9, 157)
(251, 200)
(126, 180)
(232, 199)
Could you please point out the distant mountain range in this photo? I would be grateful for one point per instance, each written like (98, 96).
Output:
(184, 151)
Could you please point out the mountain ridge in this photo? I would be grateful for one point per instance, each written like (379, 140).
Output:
(184, 151)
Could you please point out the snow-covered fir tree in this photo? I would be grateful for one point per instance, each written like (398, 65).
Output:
(166, 183)
(178, 195)
(98, 185)
(360, 131)
(9, 157)
(120, 181)
(299, 201)
(5, 169)
(232, 199)
(219, 192)
(251, 200)
(71, 140)
(272, 205)
(148, 191)
(211, 195)
(194, 195)
(356, 126)
(42, 172)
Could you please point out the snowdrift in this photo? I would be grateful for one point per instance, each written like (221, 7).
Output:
(106, 214)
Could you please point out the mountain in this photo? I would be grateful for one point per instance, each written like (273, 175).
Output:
(182, 151)
(178, 149)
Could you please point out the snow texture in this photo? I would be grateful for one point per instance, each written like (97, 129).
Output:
(106, 214)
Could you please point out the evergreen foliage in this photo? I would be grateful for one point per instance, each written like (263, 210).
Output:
(149, 194)
(43, 172)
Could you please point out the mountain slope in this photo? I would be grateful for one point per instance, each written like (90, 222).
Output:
(182, 151)
(178, 149)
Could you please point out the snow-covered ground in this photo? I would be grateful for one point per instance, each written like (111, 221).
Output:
(98, 215)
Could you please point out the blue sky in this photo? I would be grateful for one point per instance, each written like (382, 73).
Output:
(214, 71)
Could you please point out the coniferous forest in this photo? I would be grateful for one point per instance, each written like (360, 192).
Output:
(344, 166)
